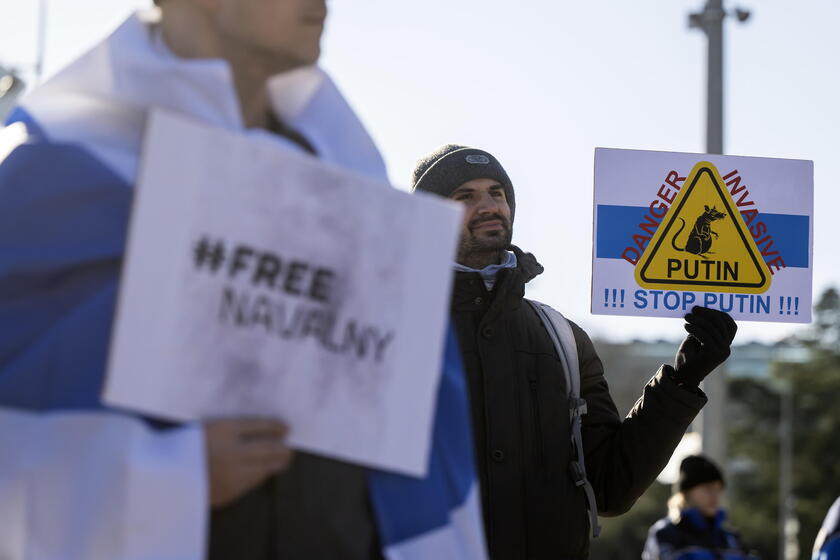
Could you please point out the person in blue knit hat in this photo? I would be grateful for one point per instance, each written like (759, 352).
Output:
(694, 528)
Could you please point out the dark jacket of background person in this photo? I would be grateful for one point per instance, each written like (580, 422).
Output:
(520, 413)
(694, 537)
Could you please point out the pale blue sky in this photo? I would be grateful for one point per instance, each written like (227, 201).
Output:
(540, 83)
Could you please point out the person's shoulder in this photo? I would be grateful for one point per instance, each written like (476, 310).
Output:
(733, 537)
(663, 527)
(831, 523)
(663, 536)
(27, 153)
(831, 549)
(580, 334)
(15, 134)
(583, 344)
(658, 540)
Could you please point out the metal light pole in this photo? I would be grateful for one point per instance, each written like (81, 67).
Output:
(788, 523)
(710, 21)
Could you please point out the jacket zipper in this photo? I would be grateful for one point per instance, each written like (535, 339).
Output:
(535, 417)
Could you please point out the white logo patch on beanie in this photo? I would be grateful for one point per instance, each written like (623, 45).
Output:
(477, 158)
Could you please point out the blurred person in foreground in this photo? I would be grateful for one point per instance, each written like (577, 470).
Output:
(68, 164)
(827, 543)
(694, 528)
(534, 488)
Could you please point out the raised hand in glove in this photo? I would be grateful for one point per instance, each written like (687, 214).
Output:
(710, 334)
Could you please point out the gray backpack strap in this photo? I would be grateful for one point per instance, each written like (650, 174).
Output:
(560, 332)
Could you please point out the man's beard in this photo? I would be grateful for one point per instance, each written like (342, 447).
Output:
(484, 246)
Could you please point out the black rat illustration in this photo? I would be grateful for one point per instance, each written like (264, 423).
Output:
(700, 237)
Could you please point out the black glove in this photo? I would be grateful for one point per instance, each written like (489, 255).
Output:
(710, 334)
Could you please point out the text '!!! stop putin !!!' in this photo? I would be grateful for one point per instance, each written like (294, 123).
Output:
(264, 304)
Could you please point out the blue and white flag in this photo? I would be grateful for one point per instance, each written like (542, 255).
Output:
(438, 516)
(68, 163)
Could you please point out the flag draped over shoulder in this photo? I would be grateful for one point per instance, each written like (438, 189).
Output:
(77, 481)
(68, 161)
(63, 221)
(438, 516)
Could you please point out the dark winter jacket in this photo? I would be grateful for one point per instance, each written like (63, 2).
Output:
(694, 537)
(520, 414)
(317, 510)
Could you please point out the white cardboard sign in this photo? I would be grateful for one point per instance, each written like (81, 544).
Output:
(674, 230)
(263, 282)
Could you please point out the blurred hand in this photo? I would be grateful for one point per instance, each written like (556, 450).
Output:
(241, 454)
(710, 334)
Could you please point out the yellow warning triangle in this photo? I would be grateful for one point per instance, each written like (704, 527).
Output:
(702, 243)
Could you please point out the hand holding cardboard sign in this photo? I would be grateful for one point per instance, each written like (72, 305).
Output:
(710, 334)
(241, 454)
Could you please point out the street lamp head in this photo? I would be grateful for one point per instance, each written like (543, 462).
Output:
(742, 15)
(695, 21)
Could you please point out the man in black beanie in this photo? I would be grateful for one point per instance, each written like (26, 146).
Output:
(533, 493)
(466, 174)
(694, 528)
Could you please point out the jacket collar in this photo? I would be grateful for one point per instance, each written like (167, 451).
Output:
(508, 290)
(528, 268)
(698, 521)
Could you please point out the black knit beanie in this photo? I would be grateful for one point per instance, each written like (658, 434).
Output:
(450, 166)
(696, 470)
